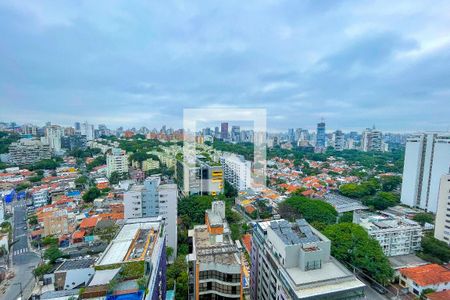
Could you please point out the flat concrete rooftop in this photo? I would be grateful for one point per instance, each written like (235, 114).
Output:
(220, 252)
(133, 242)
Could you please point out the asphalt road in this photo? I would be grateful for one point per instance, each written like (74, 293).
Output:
(23, 260)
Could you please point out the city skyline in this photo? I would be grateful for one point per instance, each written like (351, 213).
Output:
(143, 64)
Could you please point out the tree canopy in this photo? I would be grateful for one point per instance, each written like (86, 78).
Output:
(312, 210)
(435, 250)
(53, 253)
(91, 194)
(423, 218)
(382, 200)
(355, 190)
(350, 243)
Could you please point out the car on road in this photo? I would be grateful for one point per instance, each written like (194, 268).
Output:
(25, 228)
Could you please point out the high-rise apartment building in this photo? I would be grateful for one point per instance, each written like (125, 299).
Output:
(77, 126)
(27, 151)
(427, 159)
(224, 131)
(215, 269)
(293, 261)
(291, 135)
(29, 129)
(116, 161)
(339, 140)
(442, 223)
(321, 136)
(53, 135)
(87, 130)
(73, 142)
(153, 199)
(201, 177)
(235, 133)
(237, 171)
(372, 140)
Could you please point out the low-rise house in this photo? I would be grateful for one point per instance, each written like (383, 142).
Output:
(419, 279)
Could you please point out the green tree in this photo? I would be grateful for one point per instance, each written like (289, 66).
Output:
(98, 161)
(91, 194)
(33, 220)
(45, 164)
(435, 250)
(192, 209)
(390, 183)
(50, 240)
(312, 210)
(82, 180)
(229, 190)
(169, 251)
(382, 200)
(423, 218)
(53, 253)
(346, 217)
(22, 186)
(116, 177)
(41, 270)
(351, 244)
(36, 178)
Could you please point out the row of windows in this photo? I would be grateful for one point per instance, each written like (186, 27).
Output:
(221, 288)
(220, 276)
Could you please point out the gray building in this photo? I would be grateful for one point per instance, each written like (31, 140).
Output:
(202, 177)
(27, 152)
(293, 261)
(153, 199)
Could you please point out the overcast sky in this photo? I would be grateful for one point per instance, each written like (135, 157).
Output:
(140, 63)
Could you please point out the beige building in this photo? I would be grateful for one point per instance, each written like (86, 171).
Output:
(56, 223)
(442, 224)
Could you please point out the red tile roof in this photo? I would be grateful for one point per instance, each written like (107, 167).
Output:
(444, 295)
(78, 234)
(89, 222)
(250, 209)
(427, 274)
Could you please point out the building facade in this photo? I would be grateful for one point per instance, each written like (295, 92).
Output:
(116, 161)
(224, 131)
(427, 159)
(28, 152)
(215, 270)
(53, 135)
(321, 136)
(199, 178)
(153, 199)
(339, 140)
(442, 223)
(372, 140)
(293, 261)
(237, 171)
(396, 235)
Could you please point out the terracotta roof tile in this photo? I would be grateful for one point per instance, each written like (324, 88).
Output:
(427, 274)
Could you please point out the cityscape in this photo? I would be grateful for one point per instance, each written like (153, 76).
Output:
(273, 150)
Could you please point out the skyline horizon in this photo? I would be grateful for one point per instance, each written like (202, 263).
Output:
(230, 123)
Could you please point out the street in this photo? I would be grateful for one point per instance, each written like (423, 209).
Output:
(23, 260)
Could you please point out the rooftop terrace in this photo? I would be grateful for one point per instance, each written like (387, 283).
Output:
(219, 252)
(134, 242)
